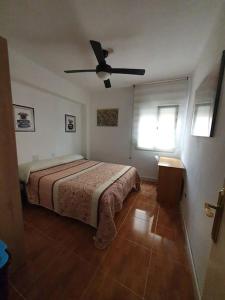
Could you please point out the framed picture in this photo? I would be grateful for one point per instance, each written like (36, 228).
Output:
(24, 118)
(207, 98)
(70, 123)
(107, 117)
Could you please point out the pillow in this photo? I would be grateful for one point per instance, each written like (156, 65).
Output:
(69, 158)
(26, 168)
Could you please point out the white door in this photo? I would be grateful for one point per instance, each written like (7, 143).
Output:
(214, 288)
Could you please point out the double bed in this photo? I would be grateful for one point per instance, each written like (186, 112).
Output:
(89, 191)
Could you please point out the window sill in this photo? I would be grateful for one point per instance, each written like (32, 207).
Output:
(156, 150)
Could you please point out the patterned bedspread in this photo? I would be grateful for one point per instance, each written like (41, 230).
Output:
(89, 191)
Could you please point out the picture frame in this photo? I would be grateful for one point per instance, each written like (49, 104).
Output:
(24, 119)
(107, 117)
(70, 123)
(207, 98)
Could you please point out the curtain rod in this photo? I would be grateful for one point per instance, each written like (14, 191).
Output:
(162, 81)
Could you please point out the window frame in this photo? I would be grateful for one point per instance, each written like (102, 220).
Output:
(158, 107)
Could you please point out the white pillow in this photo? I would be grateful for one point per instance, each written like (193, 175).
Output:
(26, 168)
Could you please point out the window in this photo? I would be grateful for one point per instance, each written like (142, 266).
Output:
(157, 129)
(159, 110)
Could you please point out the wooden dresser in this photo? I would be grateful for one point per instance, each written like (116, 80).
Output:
(170, 181)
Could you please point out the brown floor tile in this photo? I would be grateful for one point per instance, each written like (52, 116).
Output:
(62, 230)
(148, 186)
(127, 263)
(87, 250)
(66, 277)
(169, 236)
(169, 217)
(145, 202)
(67, 231)
(104, 287)
(63, 263)
(38, 216)
(14, 294)
(39, 253)
(166, 242)
(37, 244)
(168, 280)
(144, 208)
(138, 231)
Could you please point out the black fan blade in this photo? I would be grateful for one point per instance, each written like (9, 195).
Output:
(79, 71)
(128, 71)
(107, 83)
(97, 48)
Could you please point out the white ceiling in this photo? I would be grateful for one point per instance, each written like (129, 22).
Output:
(163, 36)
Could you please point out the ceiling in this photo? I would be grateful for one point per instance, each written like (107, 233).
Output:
(163, 36)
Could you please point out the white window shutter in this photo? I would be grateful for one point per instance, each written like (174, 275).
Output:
(159, 109)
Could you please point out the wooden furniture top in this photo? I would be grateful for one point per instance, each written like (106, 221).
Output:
(170, 162)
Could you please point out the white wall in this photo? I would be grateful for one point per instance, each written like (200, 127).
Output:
(113, 144)
(204, 159)
(26, 71)
(52, 97)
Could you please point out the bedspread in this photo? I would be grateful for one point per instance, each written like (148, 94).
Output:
(89, 191)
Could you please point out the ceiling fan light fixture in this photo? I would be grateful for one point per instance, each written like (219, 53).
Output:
(103, 70)
(103, 75)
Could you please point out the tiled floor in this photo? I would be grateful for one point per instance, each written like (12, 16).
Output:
(146, 261)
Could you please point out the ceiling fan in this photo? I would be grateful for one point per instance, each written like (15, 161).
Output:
(103, 70)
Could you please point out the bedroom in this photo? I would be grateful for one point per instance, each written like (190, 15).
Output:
(143, 240)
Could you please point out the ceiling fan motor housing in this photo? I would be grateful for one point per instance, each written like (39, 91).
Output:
(103, 71)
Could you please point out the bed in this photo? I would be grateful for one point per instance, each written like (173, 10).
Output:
(89, 191)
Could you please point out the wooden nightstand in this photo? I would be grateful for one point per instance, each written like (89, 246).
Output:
(170, 181)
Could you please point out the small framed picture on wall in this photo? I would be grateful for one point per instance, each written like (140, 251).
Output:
(70, 123)
(24, 118)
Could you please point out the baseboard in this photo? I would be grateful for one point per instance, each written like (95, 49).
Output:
(149, 179)
(191, 261)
